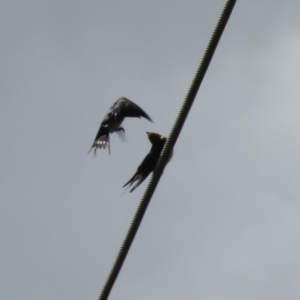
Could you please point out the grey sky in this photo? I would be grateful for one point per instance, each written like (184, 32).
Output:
(224, 222)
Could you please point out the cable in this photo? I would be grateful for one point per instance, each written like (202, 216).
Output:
(168, 148)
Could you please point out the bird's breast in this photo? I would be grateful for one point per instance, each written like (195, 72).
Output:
(114, 125)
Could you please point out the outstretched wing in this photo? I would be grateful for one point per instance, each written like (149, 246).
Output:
(126, 108)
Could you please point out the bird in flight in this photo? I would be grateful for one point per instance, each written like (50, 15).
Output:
(121, 109)
(148, 164)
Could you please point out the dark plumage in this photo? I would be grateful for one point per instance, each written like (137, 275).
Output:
(148, 164)
(121, 109)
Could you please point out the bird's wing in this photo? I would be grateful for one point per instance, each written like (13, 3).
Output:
(144, 169)
(126, 108)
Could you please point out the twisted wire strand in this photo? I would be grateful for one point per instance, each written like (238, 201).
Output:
(212, 45)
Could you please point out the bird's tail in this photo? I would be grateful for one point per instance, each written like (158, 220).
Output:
(137, 179)
(130, 181)
(101, 142)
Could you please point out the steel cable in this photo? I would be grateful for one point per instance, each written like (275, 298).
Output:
(168, 148)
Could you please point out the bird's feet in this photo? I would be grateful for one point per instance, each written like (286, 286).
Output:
(120, 129)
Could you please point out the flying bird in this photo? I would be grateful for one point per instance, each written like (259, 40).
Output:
(148, 164)
(121, 109)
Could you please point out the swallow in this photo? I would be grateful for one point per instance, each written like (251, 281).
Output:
(148, 164)
(121, 109)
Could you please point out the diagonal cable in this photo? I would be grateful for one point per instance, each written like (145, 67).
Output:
(209, 52)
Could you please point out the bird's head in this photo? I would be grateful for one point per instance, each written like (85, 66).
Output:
(155, 138)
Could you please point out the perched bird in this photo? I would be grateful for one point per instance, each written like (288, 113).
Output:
(148, 164)
(121, 109)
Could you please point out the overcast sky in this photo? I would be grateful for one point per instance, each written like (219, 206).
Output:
(224, 222)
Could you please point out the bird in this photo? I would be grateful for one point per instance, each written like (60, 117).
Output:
(148, 164)
(121, 109)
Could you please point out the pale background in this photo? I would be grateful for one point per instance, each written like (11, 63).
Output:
(224, 222)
